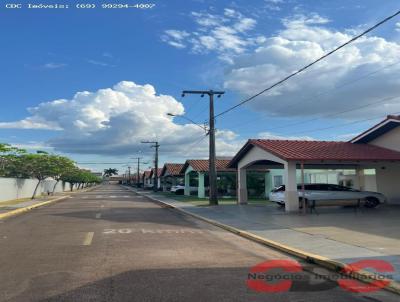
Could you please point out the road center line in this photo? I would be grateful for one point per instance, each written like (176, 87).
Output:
(88, 238)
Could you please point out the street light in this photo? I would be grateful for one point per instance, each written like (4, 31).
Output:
(188, 119)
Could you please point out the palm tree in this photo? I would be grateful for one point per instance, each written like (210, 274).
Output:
(110, 172)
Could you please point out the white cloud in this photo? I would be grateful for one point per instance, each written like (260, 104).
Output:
(228, 34)
(269, 135)
(52, 65)
(397, 28)
(100, 63)
(115, 120)
(175, 38)
(335, 84)
(273, 5)
(30, 123)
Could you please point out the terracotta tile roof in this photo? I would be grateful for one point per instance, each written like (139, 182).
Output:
(201, 165)
(172, 169)
(319, 151)
(158, 173)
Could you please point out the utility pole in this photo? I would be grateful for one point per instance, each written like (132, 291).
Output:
(212, 174)
(155, 145)
(138, 169)
(129, 175)
(138, 173)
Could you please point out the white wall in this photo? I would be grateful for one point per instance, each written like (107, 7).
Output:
(389, 140)
(16, 188)
(388, 182)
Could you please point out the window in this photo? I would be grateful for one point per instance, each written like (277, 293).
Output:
(278, 180)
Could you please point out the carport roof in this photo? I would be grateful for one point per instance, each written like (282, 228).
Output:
(146, 174)
(201, 165)
(172, 169)
(159, 170)
(292, 150)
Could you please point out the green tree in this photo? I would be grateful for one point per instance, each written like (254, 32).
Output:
(79, 177)
(71, 176)
(61, 165)
(39, 166)
(110, 172)
(8, 157)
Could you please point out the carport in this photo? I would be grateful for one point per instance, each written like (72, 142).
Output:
(293, 155)
(171, 175)
(196, 176)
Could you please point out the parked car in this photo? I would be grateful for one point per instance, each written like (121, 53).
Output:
(178, 189)
(330, 194)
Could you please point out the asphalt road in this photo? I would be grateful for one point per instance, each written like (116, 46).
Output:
(113, 245)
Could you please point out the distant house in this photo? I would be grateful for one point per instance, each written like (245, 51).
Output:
(146, 179)
(171, 175)
(196, 173)
(137, 180)
(152, 177)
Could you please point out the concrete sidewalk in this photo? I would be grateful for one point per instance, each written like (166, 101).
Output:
(344, 235)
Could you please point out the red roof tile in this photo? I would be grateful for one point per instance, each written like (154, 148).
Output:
(319, 151)
(202, 165)
(158, 174)
(172, 169)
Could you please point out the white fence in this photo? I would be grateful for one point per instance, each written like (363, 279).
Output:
(16, 188)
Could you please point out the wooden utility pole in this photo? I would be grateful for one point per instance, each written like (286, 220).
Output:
(212, 173)
(138, 169)
(155, 145)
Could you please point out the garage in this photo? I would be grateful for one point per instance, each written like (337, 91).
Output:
(374, 156)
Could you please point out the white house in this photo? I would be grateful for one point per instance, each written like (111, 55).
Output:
(377, 150)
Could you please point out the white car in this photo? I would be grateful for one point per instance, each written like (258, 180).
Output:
(178, 189)
(329, 194)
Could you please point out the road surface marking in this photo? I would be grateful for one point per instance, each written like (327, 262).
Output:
(88, 238)
(149, 231)
(98, 215)
(102, 206)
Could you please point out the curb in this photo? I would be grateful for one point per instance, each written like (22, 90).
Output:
(325, 262)
(26, 209)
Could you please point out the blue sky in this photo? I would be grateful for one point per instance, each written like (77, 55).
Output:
(49, 55)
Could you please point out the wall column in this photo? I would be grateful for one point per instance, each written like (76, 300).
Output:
(242, 186)
(291, 194)
(201, 192)
(268, 183)
(187, 183)
(360, 178)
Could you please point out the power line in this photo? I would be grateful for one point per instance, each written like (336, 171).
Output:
(313, 97)
(380, 101)
(102, 163)
(342, 125)
(309, 65)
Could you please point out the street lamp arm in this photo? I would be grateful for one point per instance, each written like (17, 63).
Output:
(188, 119)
